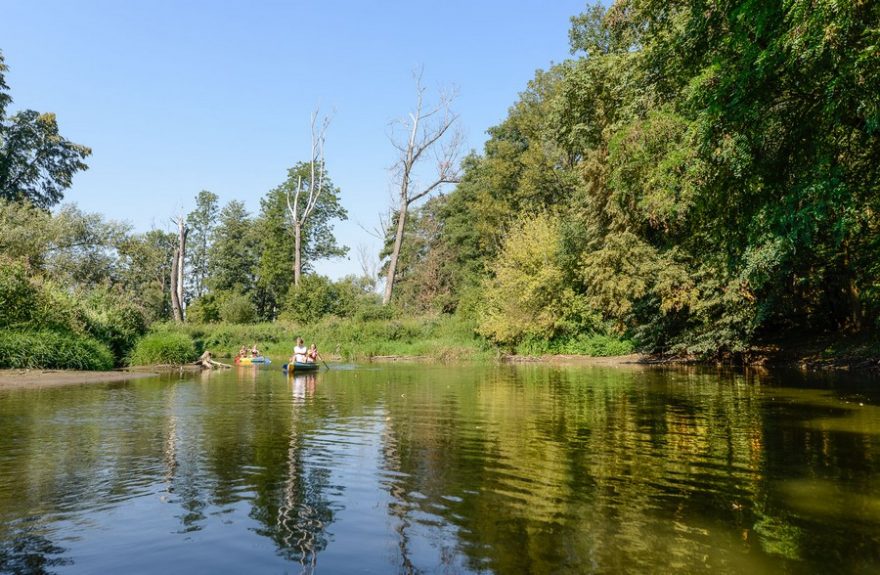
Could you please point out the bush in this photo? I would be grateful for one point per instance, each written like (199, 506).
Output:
(17, 294)
(205, 309)
(237, 309)
(594, 345)
(312, 299)
(52, 350)
(163, 348)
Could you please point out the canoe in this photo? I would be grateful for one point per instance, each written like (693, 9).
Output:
(252, 360)
(299, 366)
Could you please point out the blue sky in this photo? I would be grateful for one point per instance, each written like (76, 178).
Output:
(174, 97)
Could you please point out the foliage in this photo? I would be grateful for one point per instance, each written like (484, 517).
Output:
(163, 348)
(52, 350)
(317, 297)
(276, 233)
(205, 309)
(201, 223)
(36, 163)
(594, 345)
(237, 308)
(528, 295)
(233, 253)
(699, 178)
(440, 337)
(34, 305)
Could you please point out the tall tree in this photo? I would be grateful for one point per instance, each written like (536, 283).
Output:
(275, 231)
(145, 269)
(178, 269)
(36, 163)
(307, 192)
(201, 223)
(233, 252)
(428, 132)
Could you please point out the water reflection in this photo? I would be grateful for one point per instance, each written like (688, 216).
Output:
(411, 469)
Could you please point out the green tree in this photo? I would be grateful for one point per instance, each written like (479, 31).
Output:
(36, 163)
(275, 231)
(233, 254)
(144, 269)
(201, 223)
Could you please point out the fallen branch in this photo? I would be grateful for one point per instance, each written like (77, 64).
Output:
(205, 362)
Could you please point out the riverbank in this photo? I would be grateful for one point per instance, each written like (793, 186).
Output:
(44, 378)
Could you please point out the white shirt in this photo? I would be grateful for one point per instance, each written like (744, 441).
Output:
(299, 353)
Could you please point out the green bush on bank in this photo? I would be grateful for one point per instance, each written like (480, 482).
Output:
(164, 347)
(594, 345)
(52, 350)
(30, 305)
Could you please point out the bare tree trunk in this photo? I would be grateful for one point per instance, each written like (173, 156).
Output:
(175, 298)
(395, 254)
(297, 257)
(182, 232)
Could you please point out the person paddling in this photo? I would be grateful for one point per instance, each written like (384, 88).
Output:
(300, 352)
(312, 355)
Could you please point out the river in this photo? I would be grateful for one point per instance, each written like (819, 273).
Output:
(444, 469)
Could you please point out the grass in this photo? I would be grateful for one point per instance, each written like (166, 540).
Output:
(163, 347)
(52, 350)
(435, 337)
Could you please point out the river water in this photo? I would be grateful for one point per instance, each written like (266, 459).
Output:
(444, 469)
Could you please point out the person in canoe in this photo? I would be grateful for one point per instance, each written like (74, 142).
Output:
(242, 352)
(255, 352)
(312, 355)
(300, 352)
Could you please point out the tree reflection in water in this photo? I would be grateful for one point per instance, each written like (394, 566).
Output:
(28, 553)
(295, 511)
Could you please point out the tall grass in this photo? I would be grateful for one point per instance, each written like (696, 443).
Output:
(52, 350)
(440, 337)
(163, 347)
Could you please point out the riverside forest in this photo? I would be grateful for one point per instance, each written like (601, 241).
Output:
(633, 331)
(698, 179)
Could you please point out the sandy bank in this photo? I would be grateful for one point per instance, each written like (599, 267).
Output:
(40, 378)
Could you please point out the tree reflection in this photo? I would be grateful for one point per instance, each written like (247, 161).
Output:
(28, 553)
(553, 470)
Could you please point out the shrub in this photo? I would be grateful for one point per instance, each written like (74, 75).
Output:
(18, 294)
(595, 345)
(237, 309)
(163, 348)
(205, 309)
(52, 350)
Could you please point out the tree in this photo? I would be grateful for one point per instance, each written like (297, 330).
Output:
(233, 253)
(428, 132)
(307, 193)
(276, 234)
(144, 269)
(201, 223)
(36, 163)
(178, 268)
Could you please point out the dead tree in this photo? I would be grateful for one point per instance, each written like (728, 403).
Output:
(428, 133)
(305, 197)
(177, 271)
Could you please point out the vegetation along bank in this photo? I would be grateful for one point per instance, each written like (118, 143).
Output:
(695, 181)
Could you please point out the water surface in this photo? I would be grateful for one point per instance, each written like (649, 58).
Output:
(444, 469)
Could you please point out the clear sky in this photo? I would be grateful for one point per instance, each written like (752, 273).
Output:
(174, 97)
